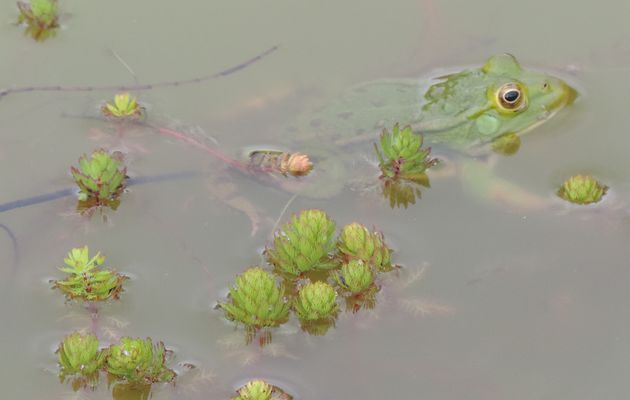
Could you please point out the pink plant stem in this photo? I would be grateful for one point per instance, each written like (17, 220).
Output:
(93, 310)
(213, 152)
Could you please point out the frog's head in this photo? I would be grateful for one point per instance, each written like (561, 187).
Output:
(497, 99)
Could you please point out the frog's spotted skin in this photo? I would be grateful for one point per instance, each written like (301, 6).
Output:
(459, 111)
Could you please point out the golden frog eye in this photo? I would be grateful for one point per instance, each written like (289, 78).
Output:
(511, 97)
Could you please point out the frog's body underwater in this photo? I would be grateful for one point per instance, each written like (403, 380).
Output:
(462, 112)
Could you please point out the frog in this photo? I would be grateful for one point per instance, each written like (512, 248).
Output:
(464, 113)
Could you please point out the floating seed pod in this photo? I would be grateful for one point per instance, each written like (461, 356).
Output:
(401, 154)
(86, 281)
(80, 356)
(294, 164)
(256, 301)
(582, 189)
(101, 180)
(138, 361)
(356, 242)
(355, 277)
(304, 244)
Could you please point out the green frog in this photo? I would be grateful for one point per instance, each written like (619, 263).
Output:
(462, 113)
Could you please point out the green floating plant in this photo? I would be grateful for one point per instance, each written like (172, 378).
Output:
(303, 245)
(401, 154)
(101, 180)
(356, 242)
(355, 277)
(124, 106)
(582, 189)
(138, 361)
(260, 390)
(80, 356)
(316, 300)
(41, 18)
(86, 281)
(256, 301)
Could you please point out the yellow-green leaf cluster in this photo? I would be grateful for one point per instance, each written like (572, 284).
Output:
(41, 17)
(582, 189)
(86, 280)
(79, 355)
(101, 178)
(401, 154)
(256, 300)
(138, 361)
(305, 244)
(356, 242)
(123, 106)
(255, 390)
(316, 300)
(355, 277)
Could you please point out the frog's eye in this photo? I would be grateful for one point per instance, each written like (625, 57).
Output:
(511, 97)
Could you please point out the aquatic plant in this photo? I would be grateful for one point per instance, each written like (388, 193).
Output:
(86, 281)
(79, 355)
(138, 361)
(255, 390)
(316, 300)
(582, 189)
(403, 192)
(123, 107)
(355, 277)
(401, 154)
(356, 242)
(256, 301)
(41, 18)
(101, 179)
(304, 244)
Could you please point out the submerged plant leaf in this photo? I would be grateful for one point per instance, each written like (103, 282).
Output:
(403, 192)
(86, 281)
(138, 361)
(305, 244)
(582, 189)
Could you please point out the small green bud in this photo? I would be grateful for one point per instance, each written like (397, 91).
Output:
(255, 390)
(86, 281)
(582, 189)
(304, 244)
(356, 242)
(256, 300)
(316, 301)
(355, 277)
(401, 154)
(79, 355)
(138, 361)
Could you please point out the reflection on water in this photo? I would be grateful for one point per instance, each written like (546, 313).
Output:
(521, 302)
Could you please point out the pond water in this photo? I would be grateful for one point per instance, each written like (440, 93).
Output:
(513, 303)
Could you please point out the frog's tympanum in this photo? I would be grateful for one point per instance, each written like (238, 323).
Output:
(469, 112)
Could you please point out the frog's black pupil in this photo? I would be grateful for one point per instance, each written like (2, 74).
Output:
(511, 96)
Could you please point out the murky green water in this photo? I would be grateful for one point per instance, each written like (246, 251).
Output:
(519, 304)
